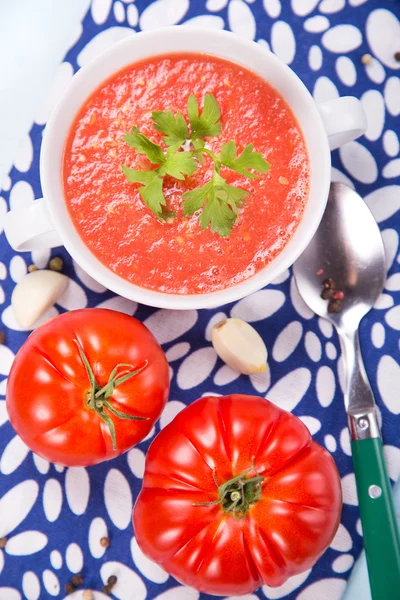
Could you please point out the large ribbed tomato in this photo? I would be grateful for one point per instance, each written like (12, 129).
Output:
(87, 386)
(236, 494)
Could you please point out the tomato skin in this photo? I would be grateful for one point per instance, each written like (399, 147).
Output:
(48, 384)
(282, 534)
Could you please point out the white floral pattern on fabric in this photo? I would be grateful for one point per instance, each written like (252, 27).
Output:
(55, 517)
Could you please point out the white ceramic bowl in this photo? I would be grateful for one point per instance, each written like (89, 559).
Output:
(48, 224)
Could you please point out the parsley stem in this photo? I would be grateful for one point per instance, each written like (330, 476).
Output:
(209, 152)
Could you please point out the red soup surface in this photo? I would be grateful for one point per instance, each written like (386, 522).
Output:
(179, 257)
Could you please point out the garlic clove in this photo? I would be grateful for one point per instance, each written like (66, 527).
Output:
(240, 346)
(35, 293)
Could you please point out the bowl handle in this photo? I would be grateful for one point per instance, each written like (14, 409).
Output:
(344, 119)
(30, 228)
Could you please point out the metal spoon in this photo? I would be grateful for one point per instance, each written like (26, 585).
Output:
(348, 248)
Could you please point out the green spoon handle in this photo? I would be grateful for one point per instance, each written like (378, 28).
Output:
(381, 535)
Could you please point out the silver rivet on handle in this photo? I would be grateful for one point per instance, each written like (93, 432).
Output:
(375, 491)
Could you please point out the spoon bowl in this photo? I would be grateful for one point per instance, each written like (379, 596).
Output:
(347, 248)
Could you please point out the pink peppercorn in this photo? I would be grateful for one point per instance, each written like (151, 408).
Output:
(338, 295)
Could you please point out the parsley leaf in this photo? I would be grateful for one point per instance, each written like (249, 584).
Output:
(248, 159)
(178, 164)
(192, 109)
(222, 204)
(152, 194)
(143, 145)
(194, 199)
(172, 126)
(151, 191)
(208, 123)
(218, 215)
(137, 176)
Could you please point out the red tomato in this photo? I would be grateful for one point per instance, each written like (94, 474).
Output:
(236, 494)
(52, 404)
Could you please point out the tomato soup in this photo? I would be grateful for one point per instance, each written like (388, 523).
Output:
(178, 256)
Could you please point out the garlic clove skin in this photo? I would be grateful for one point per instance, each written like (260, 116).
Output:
(240, 346)
(35, 294)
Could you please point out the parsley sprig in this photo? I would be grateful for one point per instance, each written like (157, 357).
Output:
(173, 163)
(217, 200)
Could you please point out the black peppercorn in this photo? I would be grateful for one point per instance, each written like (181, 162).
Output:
(77, 580)
(328, 283)
(327, 294)
(334, 306)
(69, 588)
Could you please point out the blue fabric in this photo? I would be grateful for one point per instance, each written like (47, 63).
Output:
(308, 378)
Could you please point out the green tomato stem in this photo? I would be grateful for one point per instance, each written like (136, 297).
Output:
(97, 397)
(237, 495)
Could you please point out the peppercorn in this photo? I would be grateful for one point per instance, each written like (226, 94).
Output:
(56, 264)
(328, 283)
(77, 580)
(338, 295)
(69, 588)
(334, 306)
(106, 590)
(327, 294)
(397, 56)
(3, 542)
(104, 542)
(2, 337)
(112, 580)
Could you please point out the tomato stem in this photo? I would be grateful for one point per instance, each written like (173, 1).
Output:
(238, 494)
(97, 397)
